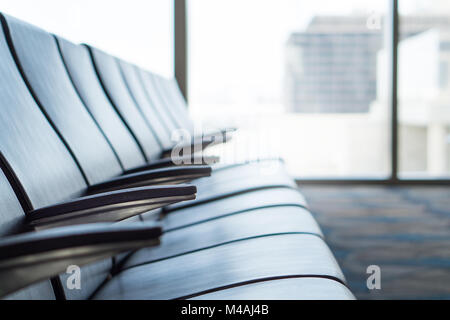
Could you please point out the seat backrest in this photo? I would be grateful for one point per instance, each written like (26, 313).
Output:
(79, 65)
(114, 85)
(170, 89)
(11, 222)
(134, 85)
(161, 102)
(42, 68)
(35, 153)
(44, 171)
(175, 91)
(172, 108)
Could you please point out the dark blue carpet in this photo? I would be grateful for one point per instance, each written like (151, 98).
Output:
(404, 230)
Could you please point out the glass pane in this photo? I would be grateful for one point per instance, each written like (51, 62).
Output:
(424, 88)
(136, 30)
(303, 80)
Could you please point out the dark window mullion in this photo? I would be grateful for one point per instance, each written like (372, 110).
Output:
(393, 33)
(180, 44)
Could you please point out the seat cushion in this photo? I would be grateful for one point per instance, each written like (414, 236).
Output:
(234, 264)
(249, 224)
(238, 180)
(284, 289)
(264, 163)
(247, 171)
(274, 198)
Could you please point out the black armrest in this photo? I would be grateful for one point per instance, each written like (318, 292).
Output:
(177, 161)
(163, 176)
(35, 256)
(222, 131)
(201, 142)
(109, 207)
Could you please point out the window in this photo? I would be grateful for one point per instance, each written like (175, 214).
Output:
(424, 91)
(136, 30)
(304, 80)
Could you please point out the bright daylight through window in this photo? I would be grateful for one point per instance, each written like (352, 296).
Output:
(304, 80)
(135, 30)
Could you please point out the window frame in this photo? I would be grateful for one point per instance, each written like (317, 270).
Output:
(181, 74)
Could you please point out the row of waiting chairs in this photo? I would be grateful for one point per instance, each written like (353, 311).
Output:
(89, 179)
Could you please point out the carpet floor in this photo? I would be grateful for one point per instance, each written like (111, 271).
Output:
(403, 230)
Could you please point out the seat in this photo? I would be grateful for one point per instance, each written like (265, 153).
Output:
(170, 101)
(89, 146)
(251, 224)
(246, 230)
(157, 107)
(150, 101)
(272, 198)
(156, 103)
(230, 265)
(34, 49)
(28, 259)
(220, 222)
(157, 118)
(234, 276)
(35, 154)
(304, 288)
(249, 179)
(110, 76)
(57, 211)
(29, 138)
